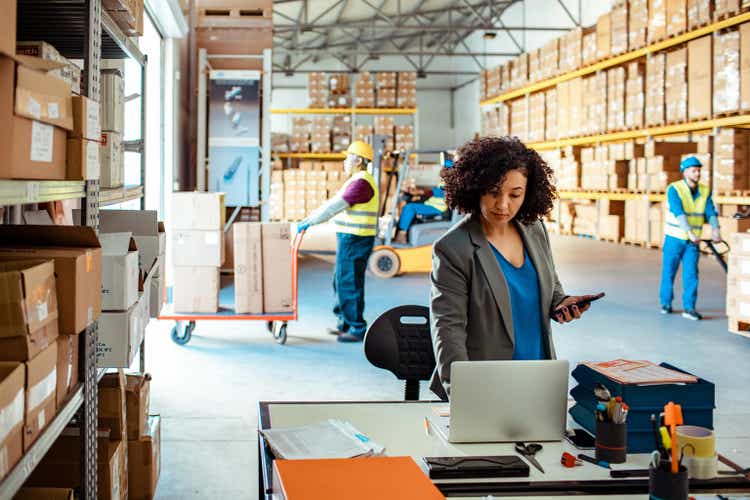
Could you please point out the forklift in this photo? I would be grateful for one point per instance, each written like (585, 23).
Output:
(390, 259)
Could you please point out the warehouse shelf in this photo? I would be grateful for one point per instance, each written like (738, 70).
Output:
(20, 192)
(23, 469)
(682, 128)
(312, 156)
(621, 59)
(120, 195)
(125, 47)
(654, 197)
(344, 111)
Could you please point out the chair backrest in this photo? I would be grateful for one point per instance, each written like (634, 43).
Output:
(399, 341)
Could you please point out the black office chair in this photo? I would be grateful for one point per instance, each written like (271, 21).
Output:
(399, 341)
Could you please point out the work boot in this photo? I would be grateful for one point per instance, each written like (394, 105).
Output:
(334, 331)
(692, 315)
(349, 338)
(666, 309)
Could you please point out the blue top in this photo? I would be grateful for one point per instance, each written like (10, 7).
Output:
(675, 205)
(523, 285)
(438, 192)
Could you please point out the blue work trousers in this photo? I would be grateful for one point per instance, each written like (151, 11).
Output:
(676, 251)
(411, 210)
(352, 253)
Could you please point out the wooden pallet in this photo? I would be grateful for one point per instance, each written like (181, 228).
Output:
(733, 112)
(738, 327)
(642, 244)
(695, 26)
(735, 193)
(724, 15)
(610, 240)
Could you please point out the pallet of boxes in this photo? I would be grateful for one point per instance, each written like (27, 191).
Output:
(113, 126)
(738, 284)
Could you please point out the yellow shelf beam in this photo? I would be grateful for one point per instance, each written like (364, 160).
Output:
(313, 156)
(621, 59)
(682, 128)
(344, 111)
(593, 195)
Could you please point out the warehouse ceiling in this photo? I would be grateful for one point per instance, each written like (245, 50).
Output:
(356, 34)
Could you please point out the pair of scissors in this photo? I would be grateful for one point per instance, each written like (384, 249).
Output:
(528, 451)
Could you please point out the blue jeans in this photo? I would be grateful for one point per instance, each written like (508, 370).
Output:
(676, 251)
(411, 210)
(352, 253)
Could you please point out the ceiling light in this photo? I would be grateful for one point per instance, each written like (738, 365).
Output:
(421, 73)
(489, 35)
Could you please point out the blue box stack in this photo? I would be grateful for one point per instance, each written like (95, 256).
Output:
(697, 400)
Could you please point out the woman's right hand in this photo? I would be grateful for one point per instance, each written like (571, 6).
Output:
(567, 310)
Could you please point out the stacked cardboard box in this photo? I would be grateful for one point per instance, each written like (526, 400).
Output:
(563, 109)
(699, 78)
(698, 13)
(127, 14)
(550, 122)
(364, 91)
(726, 83)
(385, 88)
(676, 17)
(113, 127)
(725, 8)
(637, 23)
(407, 90)
(615, 99)
(553, 158)
(320, 134)
(339, 91)
(594, 104)
(663, 163)
(69, 72)
(585, 221)
(536, 117)
(731, 151)
(317, 93)
(535, 65)
(504, 72)
(341, 132)
(483, 85)
(567, 216)
(493, 81)
(603, 36)
(588, 46)
(519, 119)
(745, 66)
(198, 250)
(300, 138)
(12, 396)
(705, 145)
(491, 122)
(675, 87)
(569, 172)
(571, 50)
(635, 98)
(276, 200)
(619, 19)
(655, 69)
(738, 281)
(295, 182)
(144, 439)
(610, 216)
(657, 20)
(404, 137)
(593, 176)
(363, 133)
(637, 221)
(519, 71)
(280, 142)
(575, 96)
(550, 59)
(384, 125)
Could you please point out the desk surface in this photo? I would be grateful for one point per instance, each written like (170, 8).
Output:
(399, 427)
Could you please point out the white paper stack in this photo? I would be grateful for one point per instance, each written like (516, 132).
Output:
(329, 439)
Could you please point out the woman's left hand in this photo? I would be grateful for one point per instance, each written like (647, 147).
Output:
(566, 311)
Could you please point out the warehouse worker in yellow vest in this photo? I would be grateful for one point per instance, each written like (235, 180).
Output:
(434, 205)
(690, 205)
(354, 210)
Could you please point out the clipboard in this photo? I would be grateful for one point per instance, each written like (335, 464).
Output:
(476, 467)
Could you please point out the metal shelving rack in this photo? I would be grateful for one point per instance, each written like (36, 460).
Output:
(78, 29)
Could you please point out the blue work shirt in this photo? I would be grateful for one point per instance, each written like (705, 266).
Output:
(675, 204)
(523, 285)
(438, 192)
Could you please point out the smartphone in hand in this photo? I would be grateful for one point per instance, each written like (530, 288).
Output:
(581, 303)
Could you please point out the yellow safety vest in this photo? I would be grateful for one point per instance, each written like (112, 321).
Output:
(360, 219)
(695, 210)
(437, 202)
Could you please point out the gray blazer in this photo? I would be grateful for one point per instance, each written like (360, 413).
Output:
(470, 309)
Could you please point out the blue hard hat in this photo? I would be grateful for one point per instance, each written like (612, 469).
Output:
(690, 161)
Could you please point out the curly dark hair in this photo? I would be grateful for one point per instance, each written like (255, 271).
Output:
(483, 163)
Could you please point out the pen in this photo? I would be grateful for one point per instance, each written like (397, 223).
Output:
(427, 426)
(592, 460)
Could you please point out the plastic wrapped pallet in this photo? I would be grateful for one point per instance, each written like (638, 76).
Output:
(594, 104)
(519, 71)
(619, 19)
(563, 109)
(726, 83)
(637, 23)
(317, 91)
(535, 65)
(550, 123)
(588, 47)
(699, 78)
(536, 117)
(731, 149)
(676, 17)
(504, 72)
(571, 50)
(575, 95)
(603, 36)
(698, 13)
(675, 88)
(635, 98)
(550, 58)
(725, 8)
(657, 20)
(615, 99)
(655, 68)
(518, 119)
(493, 82)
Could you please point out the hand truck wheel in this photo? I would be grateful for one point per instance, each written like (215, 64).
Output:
(182, 332)
(269, 326)
(281, 335)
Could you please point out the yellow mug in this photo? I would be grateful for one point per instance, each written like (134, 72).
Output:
(696, 441)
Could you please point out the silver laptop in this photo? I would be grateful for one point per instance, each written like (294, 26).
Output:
(502, 401)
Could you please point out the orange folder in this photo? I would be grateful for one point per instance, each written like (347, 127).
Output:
(365, 478)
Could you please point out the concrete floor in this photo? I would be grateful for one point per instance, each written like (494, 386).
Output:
(207, 392)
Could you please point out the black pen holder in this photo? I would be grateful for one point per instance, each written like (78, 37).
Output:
(611, 442)
(664, 485)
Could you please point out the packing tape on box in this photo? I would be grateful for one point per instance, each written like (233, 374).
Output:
(702, 441)
(702, 467)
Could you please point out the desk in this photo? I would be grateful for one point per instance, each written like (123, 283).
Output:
(399, 426)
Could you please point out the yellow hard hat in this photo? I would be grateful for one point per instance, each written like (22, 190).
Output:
(360, 148)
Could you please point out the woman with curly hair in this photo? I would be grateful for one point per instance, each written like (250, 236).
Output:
(494, 284)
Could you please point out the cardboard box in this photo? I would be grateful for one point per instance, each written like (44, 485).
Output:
(699, 78)
(112, 157)
(144, 462)
(277, 270)
(44, 494)
(137, 395)
(248, 268)
(198, 211)
(121, 333)
(726, 76)
(42, 97)
(67, 366)
(8, 34)
(196, 289)
(86, 123)
(148, 233)
(657, 20)
(745, 66)
(197, 248)
(83, 162)
(41, 386)
(28, 308)
(113, 101)
(603, 36)
(120, 271)
(12, 383)
(62, 68)
(113, 405)
(676, 17)
(78, 267)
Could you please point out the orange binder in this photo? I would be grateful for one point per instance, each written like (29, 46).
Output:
(365, 478)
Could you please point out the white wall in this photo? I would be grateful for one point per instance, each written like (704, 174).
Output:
(466, 113)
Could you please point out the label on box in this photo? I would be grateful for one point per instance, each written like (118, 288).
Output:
(43, 389)
(92, 120)
(744, 309)
(41, 421)
(53, 110)
(11, 415)
(212, 238)
(42, 142)
(42, 311)
(34, 108)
